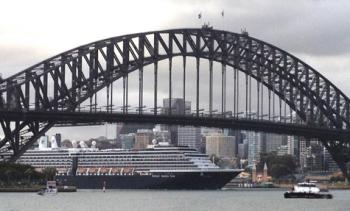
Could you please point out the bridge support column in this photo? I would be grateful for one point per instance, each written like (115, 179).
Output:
(197, 86)
(235, 92)
(211, 87)
(343, 165)
(184, 83)
(37, 132)
(125, 94)
(170, 85)
(340, 152)
(140, 90)
(16, 142)
(223, 89)
(155, 88)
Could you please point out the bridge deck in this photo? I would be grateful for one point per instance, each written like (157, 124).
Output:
(64, 117)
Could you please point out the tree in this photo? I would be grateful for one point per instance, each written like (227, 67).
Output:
(29, 173)
(49, 173)
(8, 173)
(66, 143)
(277, 165)
(15, 172)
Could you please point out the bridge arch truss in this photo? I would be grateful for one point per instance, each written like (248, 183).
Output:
(64, 82)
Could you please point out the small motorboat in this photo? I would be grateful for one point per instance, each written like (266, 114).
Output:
(51, 189)
(306, 190)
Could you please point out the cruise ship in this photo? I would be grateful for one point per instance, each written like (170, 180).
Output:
(160, 166)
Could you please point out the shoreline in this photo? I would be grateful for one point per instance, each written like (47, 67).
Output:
(74, 189)
(35, 189)
(283, 186)
(270, 189)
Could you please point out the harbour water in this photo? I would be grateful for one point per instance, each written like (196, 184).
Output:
(143, 200)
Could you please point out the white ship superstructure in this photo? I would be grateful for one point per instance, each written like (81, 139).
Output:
(156, 157)
(160, 166)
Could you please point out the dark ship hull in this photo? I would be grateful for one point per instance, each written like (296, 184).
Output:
(177, 180)
(288, 195)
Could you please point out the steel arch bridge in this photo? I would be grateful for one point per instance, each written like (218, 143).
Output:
(56, 90)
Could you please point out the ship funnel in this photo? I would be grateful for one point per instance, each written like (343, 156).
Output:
(54, 142)
(74, 144)
(43, 142)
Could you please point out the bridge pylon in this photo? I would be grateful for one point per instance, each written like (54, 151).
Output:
(340, 152)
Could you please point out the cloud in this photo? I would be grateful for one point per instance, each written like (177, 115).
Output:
(16, 58)
(312, 27)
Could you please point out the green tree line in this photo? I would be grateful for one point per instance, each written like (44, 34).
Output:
(277, 165)
(19, 174)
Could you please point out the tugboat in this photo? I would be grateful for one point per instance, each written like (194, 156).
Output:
(50, 189)
(306, 190)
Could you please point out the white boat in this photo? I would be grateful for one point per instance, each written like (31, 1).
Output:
(51, 189)
(306, 187)
(306, 190)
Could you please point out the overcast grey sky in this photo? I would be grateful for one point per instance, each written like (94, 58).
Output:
(316, 31)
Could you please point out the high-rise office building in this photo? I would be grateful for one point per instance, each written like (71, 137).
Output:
(316, 158)
(293, 146)
(161, 135)
(282, 150)
(178, 107)
(243, 149)
(255, 146)
(273, 142)
(126, 128)
(143, 138)
(239, 137)
(302, 153)
(128, 140)
(189, 136)
(221, 145)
